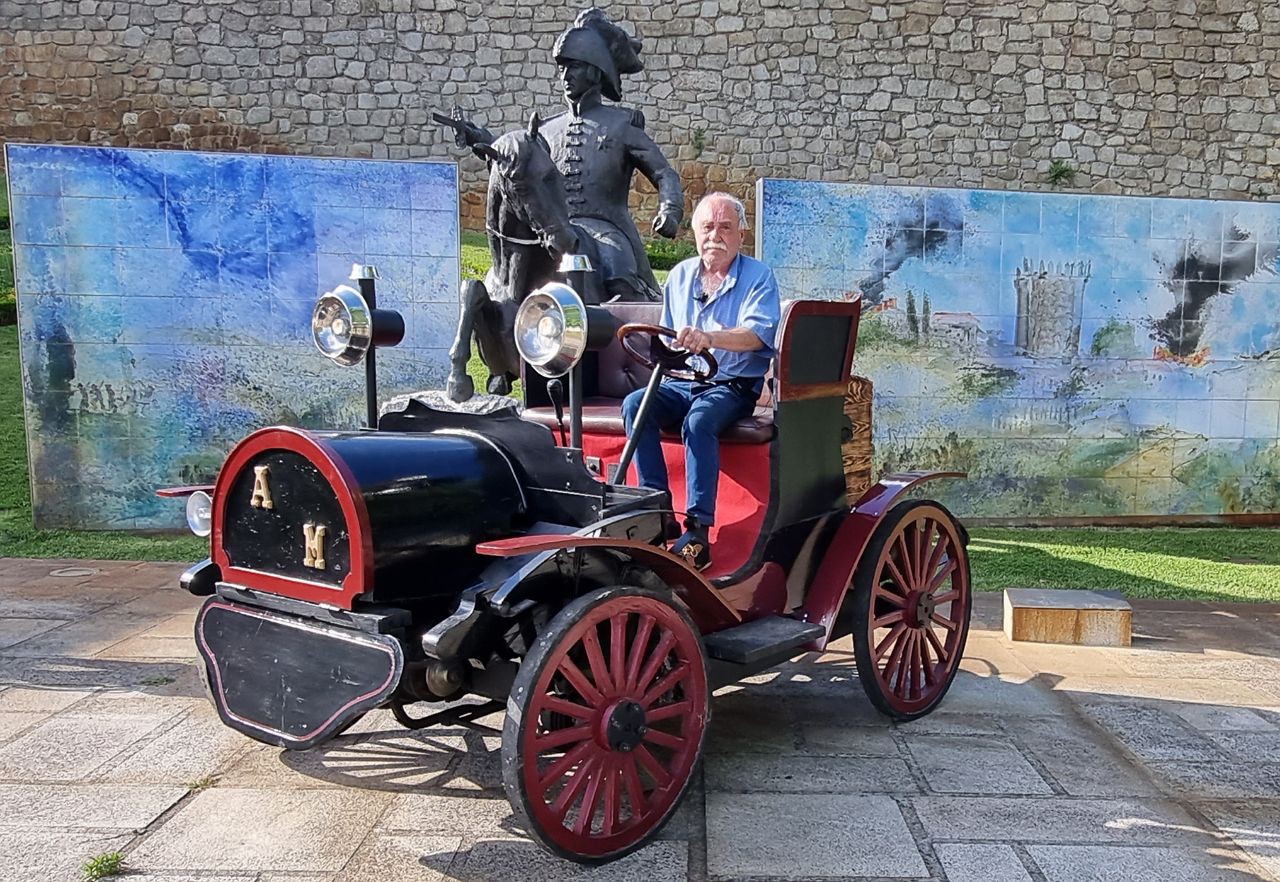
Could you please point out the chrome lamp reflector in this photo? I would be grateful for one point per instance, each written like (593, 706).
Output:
(551, 329)
(200, 513)
(344, 327)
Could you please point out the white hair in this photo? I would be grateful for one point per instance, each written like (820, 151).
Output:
(721, 196)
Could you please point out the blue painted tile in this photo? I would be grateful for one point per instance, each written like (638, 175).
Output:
(944, 210)
(384, 185)
(38, 220)
(1060, 217)
(1133, 215)
(290, 227)
(93, 271)
(435, 233)
(435, 281)
(293, 276)
(141, 174)
(340, 230)
(141, 223)
(389, 231)
(34, 170)
(1097, 216)
(40, 269)
(1022, 213)
(191, 177)
(90, 221)
(1169, 218)
(434, 188)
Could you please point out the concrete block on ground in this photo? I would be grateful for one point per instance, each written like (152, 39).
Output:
(1081, 618)
(1110, 863)
(967, 862)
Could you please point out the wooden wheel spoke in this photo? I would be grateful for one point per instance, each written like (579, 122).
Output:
(907, 564)
(651, 765)
(636, 659)
(656, 658)
(890, 639)
(898, 579)
(888, 619)
(895, 658)
(561, 738)
(952, 595)
(945, 622)
(926, 659)
(595, 658)
(570, 793)
(618, 650)
(663, 739)
(612, 799)
(667, 711)
(935, 554)
(665, 685)
(943, 655)
(558, 705)
(917, 553)
(889, 597)
(634, 787)
(583, 823)
(564, 764)
(941, 577)
(579, 681)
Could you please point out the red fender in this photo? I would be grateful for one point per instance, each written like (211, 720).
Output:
(707, 607)
(826, 592)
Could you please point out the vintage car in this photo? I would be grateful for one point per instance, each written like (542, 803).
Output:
(476, 550)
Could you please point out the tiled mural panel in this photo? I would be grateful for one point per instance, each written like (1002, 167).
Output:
(1092, 356)
(164, 303)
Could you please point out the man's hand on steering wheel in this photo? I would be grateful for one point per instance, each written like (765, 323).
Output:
(675, 363)
(695, 340)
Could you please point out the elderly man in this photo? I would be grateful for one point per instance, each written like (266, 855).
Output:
(724, 302)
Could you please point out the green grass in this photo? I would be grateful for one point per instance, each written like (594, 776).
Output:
(1165, 562)
(8, 298)
(103, 866)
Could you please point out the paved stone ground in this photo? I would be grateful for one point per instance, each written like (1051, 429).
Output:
(1045, 763)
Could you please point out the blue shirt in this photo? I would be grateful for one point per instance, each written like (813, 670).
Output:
(748, 298)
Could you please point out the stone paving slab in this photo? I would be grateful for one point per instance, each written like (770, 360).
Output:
(952, 764)
(808, 774)
(1108, 863)
(785, 836)
(964, 862)
(36, 855)
(489, 859)
(1076, 760)
(1252, 827)
(233, 829)
(1056, 819)
(71, 747)
(93, 806)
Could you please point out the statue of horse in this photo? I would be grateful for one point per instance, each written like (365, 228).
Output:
(529, 229)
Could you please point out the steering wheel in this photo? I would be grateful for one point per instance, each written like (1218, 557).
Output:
(675, 363)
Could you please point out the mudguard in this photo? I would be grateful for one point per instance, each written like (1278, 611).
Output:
(708, 608)
(826, 592)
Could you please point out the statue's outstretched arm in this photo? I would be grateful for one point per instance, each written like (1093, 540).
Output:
(648, 158)
(465, 132)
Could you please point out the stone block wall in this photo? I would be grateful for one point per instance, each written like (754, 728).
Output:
(1171, 97)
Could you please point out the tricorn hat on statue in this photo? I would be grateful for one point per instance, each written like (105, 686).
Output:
(597, 41)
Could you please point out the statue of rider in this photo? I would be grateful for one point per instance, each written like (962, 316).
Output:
(598, 147)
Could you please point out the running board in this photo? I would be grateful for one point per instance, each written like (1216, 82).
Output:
(771, 639)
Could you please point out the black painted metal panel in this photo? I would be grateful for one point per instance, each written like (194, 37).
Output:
(290, 682)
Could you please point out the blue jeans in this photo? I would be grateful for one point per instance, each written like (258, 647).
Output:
(704, 411)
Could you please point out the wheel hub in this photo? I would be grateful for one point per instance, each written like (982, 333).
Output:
(624, 726)
(921, 607)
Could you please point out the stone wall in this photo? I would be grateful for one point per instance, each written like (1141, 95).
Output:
(1141, 96)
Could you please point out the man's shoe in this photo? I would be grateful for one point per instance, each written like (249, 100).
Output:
(694, 546)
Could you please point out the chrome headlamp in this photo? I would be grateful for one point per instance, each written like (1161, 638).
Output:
(200, 513)
(345, 328)
(551, 329)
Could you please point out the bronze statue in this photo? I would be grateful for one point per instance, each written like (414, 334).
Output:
(595, 148)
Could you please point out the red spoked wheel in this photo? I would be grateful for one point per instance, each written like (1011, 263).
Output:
(911, 609)
(605, 723)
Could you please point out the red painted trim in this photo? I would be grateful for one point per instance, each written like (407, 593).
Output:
(336, 635)
(175, 492)
(826, 592)
(705, 603)
(331, 467)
